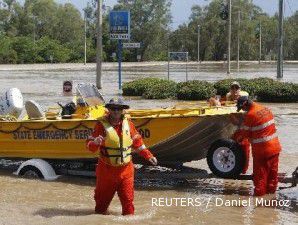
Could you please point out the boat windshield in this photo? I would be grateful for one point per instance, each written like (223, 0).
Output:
(89, 94)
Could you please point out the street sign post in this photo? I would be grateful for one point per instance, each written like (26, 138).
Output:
(178, 56)
(119, 30)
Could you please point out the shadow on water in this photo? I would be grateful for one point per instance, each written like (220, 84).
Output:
(52, 212)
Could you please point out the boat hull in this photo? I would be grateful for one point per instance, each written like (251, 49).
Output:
(170, 138)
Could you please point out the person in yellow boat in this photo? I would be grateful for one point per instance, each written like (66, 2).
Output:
(214, 101)
(116, 138)
(235, 92)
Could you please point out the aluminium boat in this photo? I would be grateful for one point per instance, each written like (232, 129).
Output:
(179, 134)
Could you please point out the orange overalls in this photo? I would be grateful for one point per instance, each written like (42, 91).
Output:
(111, 179)
(259, 128)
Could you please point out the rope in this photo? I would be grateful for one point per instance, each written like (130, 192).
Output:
(7, 118)
(45, 127)
(143, 124)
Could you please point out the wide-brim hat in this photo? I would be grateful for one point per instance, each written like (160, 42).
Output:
(117, 103)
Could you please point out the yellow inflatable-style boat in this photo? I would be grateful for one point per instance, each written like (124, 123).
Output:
(178, 134)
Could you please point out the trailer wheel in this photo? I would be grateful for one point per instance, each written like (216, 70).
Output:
(31, 172)
(225, 158)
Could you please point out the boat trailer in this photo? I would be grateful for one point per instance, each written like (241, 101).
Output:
(48, 171)
(192, 173)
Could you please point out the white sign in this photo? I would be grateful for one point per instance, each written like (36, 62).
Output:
(131, 45)
(120, 36)
(67, 88)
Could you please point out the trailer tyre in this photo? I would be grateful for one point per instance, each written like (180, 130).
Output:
(31, 172)
(225, 158)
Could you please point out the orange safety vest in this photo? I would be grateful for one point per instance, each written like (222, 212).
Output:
(259, 126)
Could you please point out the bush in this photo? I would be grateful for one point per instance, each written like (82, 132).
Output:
(138, 87)
(264, 89)
(259, 84)
(279, 92)
(195, 90)
(161, 90)
(252, 86)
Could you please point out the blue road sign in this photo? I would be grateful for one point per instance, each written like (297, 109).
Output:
(120, 25)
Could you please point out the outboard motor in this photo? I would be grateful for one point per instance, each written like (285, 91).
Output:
(12, 103)
(67, 110)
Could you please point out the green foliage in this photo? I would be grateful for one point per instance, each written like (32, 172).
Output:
(262, 89)
(150, 25)
(195, 90)
(7, 54)
(223, 86)
(213, 36)
(51, 51)
(150, 22)
(279, 92)
(138, 87)
(252, 86)
(25, 49)
(258, 84)
(162, 90)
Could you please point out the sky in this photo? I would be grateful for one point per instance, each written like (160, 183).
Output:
(181, 9)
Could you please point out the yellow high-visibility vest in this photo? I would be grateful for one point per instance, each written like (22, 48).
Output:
(117, 150)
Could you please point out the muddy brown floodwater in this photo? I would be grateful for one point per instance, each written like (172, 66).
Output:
(69, 200)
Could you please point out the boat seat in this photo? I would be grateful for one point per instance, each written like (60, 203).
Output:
(34, 110)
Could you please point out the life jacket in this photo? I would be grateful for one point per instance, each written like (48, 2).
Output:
(260, 123)
(116, 150)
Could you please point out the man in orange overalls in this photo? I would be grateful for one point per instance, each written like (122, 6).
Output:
(259, 127)
(116, 138)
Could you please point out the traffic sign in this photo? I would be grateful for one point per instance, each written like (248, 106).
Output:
(120, 25)
(131, 45)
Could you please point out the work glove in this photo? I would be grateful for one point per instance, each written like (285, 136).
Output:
(98, 140)
(153, 161)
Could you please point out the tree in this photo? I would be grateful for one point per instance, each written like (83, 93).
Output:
(150, 21)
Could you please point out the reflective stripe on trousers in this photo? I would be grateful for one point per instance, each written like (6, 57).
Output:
(264, 139)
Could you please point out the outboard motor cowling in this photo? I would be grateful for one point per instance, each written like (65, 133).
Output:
(12, 103)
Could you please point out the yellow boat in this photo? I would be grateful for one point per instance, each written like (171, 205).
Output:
(174, 135)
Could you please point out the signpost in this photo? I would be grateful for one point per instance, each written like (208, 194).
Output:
(178, 56)
(119, 30)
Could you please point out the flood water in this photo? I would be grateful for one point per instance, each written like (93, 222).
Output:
(69, 200)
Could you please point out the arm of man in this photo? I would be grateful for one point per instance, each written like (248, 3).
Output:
(244, 130)
(228, 97)
(139, 146)
(92, 143)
